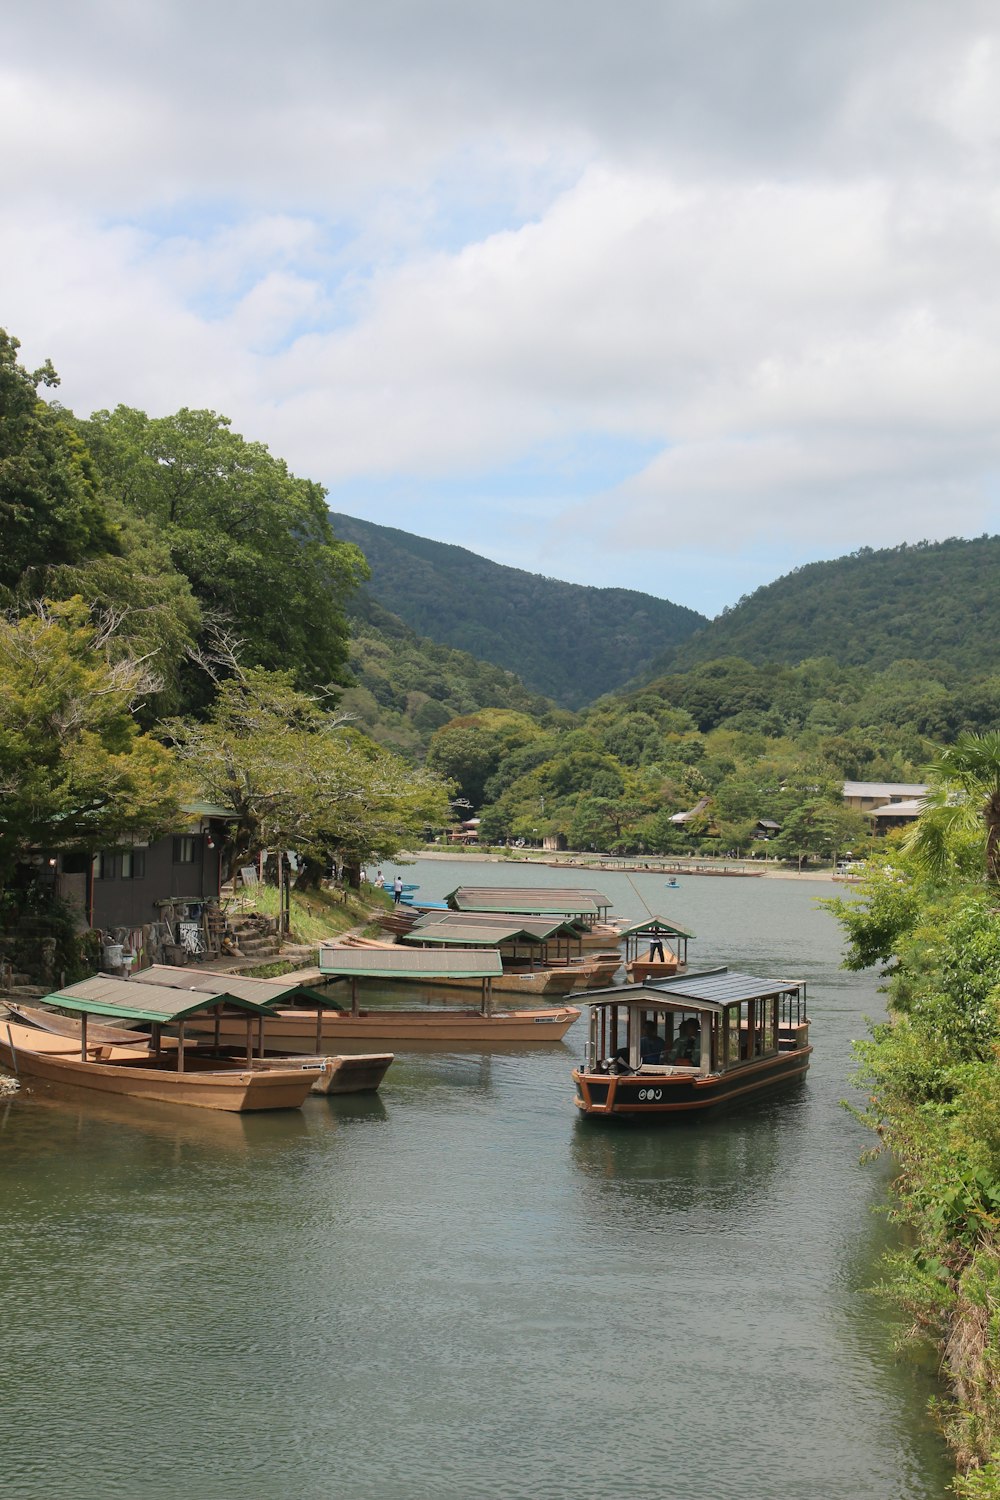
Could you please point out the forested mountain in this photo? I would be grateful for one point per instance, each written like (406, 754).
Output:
(931, 602)
(571, 642)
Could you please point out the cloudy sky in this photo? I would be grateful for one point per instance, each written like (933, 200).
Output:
(669, 294)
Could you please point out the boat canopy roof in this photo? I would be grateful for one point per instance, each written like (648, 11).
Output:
(656, 927)
(407, 963)
(236, 986)
(160, 1003)
(711, 991)
(533, 900)
(473, 933)
(495, 927)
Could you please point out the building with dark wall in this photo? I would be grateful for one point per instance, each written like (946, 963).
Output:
(128, 886)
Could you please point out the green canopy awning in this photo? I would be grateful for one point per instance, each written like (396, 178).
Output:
(160, 1004)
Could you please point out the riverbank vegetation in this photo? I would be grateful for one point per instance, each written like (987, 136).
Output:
(929, 913)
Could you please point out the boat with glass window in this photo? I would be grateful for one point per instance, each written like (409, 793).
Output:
(688, 1044)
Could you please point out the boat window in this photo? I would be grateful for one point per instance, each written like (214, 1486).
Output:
(733, 1033)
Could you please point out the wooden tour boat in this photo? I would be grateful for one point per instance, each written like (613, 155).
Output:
(170, 1070)
(587, 909)
(307, 1017)
(667, 949)
(356, 1073)
(540, 955)
(449, 1026)
(685, 1045)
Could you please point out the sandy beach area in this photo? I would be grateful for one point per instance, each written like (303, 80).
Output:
(582, 864)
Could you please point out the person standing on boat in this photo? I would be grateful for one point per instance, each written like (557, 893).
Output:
(397, 890)
(656, 949)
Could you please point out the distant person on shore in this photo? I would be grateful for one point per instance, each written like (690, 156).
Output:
(397, 890)
(379, 881)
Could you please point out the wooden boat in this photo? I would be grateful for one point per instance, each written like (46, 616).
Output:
(205, 1083)
(587, 908)
(667, 950)
(517, 976)
(449, 1026)
(540, 955)
(212, 1072)
(293, 1029)
(689, 1044)
(356, 1073)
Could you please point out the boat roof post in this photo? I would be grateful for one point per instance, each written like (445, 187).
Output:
(83, 1037)
(249, 1038)
(180, 1046)
(354, 994)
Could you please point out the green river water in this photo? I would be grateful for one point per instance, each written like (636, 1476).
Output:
(460, 1289)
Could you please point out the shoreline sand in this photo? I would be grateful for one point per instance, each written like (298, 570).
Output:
(575, 865)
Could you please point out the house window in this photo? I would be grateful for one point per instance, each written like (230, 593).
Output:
(74, 864)
(184, 849)
(104, 867)
(133, 864)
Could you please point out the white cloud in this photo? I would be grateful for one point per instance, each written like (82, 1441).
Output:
(757, 240)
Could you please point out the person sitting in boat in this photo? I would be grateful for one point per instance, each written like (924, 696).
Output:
(650, 1044)
(686, 1051)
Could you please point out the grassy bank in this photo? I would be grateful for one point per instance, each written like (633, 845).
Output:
(317, 916)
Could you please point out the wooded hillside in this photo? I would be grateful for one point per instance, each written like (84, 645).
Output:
(932, 602)
(565, 640)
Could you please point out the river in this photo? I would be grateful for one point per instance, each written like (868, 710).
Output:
(460, 1290)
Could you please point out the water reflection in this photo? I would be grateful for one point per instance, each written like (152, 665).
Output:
(49, 1116)
(461, 1289)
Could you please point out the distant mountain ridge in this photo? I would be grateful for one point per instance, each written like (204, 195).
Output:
(926, 601)
(569, 641)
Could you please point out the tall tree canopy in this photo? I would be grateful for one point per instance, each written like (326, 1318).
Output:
(74, 769)
(254, 541)
(296, 777)
(51, 507)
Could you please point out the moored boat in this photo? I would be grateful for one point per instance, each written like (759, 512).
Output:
(586, 908)
(154, 1067)
(667, 944)
(689, 1044)
(539, 955)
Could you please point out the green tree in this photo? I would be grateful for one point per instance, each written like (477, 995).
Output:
(74, 770)
(964, 798)
(297, 777)
(254, 541)
(51, 507)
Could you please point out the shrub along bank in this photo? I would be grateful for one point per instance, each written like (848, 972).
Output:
(930, 914)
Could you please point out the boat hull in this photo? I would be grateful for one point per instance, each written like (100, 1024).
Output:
(644, 970)
(292, 1030)
(355, 1073)
(119, 1070)
(667, 1094)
